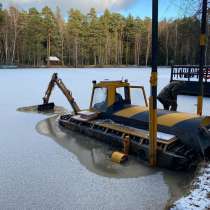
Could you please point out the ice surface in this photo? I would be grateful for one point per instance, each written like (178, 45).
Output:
(37, 173)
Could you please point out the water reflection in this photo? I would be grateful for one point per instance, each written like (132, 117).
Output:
(33, 109)
(93, 154)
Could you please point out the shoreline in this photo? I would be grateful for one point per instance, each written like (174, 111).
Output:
(79, 67)
(198, 194)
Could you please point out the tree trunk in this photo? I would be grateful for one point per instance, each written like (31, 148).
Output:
(6, 47)
(148, 47)
(126, 53)
(62, 50)
(176, 42)
(166, 45)
(14, 46)
(76, 52)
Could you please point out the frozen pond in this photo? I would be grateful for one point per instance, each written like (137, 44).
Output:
(41, 167)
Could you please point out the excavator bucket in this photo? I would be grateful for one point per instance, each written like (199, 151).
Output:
(46, 107)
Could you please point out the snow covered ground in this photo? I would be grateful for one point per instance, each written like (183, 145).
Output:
(199, 197)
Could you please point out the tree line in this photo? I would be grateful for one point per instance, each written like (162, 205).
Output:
(29, 37)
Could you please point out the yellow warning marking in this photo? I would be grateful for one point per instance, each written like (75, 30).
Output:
(203, 40)
(174, 118)
(200, 105)
(153, 79)
(206, 121)
(131, 111)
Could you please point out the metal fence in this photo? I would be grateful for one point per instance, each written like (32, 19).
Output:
(189, 73)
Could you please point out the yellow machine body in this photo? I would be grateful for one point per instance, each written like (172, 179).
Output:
(113, 115)
(191, 128)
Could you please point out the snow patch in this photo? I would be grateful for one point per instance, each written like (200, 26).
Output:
(199, 197)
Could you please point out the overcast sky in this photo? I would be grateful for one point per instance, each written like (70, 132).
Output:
(142, 8)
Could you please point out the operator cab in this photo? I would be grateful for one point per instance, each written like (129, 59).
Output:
(111, 96)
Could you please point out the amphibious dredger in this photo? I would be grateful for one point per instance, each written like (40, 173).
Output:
(181, 139)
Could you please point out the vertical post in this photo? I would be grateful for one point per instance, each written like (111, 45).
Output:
(172, 72)
(203, 41)
(153, 89)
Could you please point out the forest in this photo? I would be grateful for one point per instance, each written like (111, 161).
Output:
(27, 38)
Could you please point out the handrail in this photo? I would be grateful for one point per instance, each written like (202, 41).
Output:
(187, 72)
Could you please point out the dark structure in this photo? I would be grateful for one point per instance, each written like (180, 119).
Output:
(203, 43)
(190, 75)
(168, 95)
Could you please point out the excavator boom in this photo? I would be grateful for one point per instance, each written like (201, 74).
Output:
(68, 94)
(49, 89)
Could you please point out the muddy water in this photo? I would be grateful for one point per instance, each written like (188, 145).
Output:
(53, 169)
(95, 156)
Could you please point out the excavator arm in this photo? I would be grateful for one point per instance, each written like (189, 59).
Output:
(49, 89)
(68, 94)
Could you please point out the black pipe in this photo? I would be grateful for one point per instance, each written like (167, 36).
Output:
(203, 40)
(154, 47)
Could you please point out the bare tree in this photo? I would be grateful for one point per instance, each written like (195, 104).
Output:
(14, 18)
(149, 31)
(61, 27)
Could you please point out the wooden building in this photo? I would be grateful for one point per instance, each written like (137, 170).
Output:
(54, 61)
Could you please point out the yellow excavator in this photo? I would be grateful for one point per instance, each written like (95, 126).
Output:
(68, 94)
(113, 116)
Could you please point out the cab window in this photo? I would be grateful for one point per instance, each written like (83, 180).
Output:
(138, 95)
(121, 92)
(99, 99)
(121, 99)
